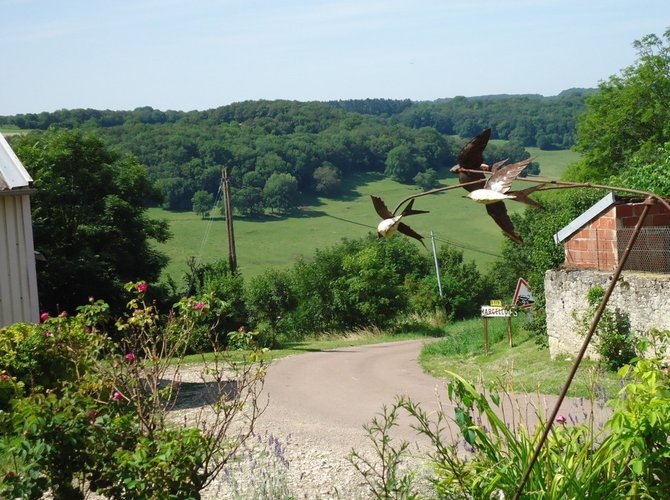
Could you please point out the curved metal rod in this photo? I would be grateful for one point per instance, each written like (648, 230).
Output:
(569, 184)
(436, 190)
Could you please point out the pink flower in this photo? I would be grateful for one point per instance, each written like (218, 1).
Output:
(117, 396)
(44, 316)
(130, 357)
(4, 376)
(199, 306)
(561, 419)
(48, 334)
(142, 287)
(242, 329)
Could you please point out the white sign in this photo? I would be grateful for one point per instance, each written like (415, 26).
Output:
(522, 295)
(496, 312)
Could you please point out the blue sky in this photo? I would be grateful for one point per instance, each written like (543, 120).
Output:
(200, 54)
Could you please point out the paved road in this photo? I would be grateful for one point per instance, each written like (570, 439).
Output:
(345, 388)
(319, 402)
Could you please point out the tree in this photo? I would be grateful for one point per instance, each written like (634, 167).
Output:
(202, 203)
(426, 180)
(327, 179)
(281, 192)
(402, 164)
(248, 200)
(629, 117)
(89, 219)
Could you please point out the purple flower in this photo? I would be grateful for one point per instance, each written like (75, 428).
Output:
(142, 287)
(117, 396)
(560, 419)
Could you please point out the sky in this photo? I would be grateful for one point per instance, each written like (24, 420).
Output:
(200, 54)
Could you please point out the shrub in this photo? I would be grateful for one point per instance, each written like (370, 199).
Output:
(104, 422)
(614, 340)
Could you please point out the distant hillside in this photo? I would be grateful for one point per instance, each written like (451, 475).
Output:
(279, 153)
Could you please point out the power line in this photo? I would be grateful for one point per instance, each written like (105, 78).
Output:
(467, 247)
(453, 243)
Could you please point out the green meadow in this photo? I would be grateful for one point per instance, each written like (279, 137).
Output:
(275, 241)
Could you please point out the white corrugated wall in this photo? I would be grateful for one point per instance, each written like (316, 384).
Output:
(18, 281)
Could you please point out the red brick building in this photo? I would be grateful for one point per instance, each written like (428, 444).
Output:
(597, 238)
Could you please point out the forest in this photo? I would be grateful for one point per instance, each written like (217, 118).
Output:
(278, 152)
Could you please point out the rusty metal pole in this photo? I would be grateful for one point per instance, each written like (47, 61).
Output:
(594, 324)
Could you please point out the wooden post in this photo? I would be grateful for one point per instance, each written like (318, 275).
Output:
(509, 330)
(486, 335)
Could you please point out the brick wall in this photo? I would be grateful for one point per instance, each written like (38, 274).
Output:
(595, 245)
(599, 244)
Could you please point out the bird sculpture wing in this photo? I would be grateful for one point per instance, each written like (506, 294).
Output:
(471, 156)
(498, 213)
(410, 210)
(380, 207)
(501, 180)
(408, 231)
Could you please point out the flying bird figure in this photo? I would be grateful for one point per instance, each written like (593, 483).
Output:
(391, 223)
(471, 157)
(497, 187)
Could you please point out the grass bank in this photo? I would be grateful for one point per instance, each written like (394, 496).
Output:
(525, 367)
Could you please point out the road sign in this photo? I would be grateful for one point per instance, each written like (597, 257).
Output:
(522, 295)
(496, 312)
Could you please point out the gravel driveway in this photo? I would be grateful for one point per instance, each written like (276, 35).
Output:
(318, 404)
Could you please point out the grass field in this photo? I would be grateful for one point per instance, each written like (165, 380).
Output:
(276, 242)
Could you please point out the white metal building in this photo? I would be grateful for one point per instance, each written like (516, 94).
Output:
(18, 279)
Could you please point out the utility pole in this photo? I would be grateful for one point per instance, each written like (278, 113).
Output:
(228, 208)
(437, 267)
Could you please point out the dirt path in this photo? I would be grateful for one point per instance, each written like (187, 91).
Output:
(320, 401)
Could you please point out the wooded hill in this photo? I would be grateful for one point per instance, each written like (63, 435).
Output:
(277, 152)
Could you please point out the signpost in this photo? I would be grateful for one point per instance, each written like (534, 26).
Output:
(496, 312)
(523, 298)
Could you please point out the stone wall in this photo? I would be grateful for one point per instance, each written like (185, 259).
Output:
(645, 297)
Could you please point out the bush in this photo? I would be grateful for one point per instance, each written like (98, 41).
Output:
(614, 340)
(102, 420)
(223, 292)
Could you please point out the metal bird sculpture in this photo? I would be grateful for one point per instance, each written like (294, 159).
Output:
(497, 187)
(471, 157)
(391, 223)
